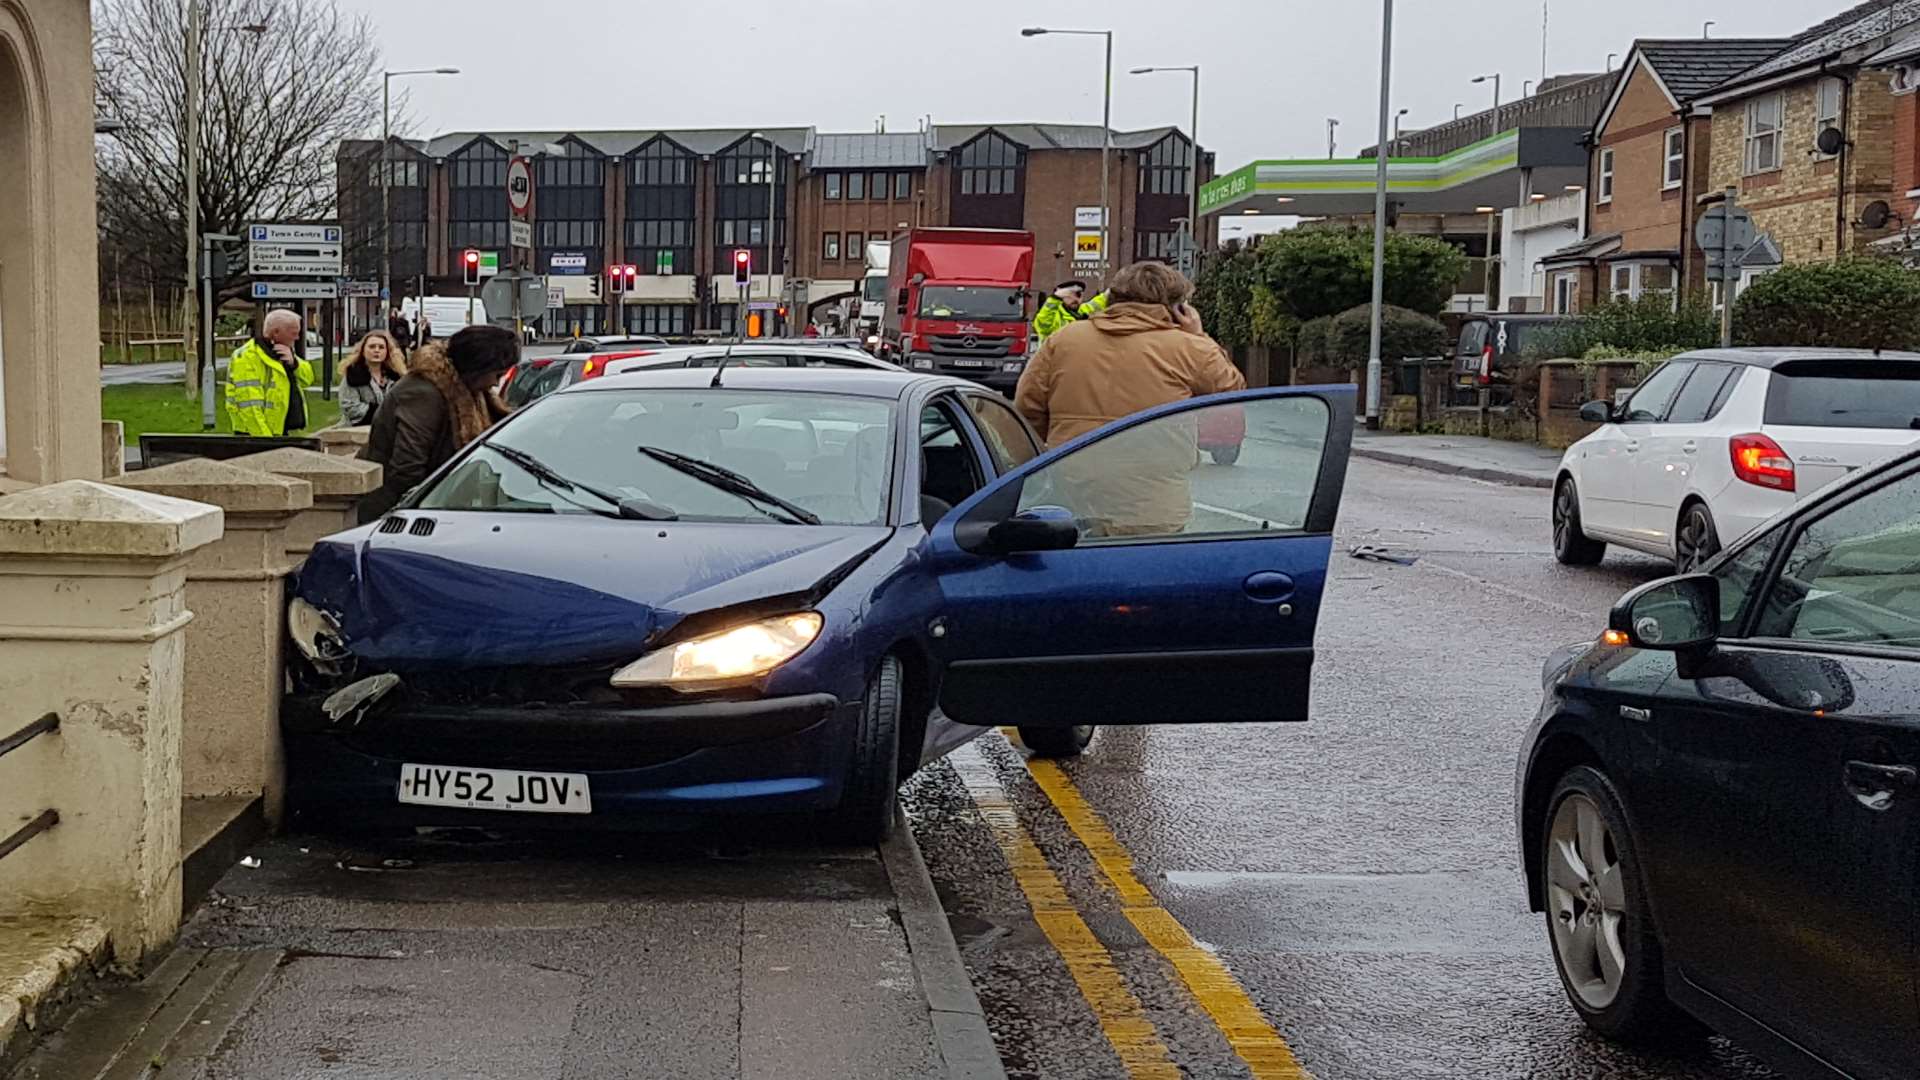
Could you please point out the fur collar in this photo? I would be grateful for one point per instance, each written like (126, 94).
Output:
(472, 410)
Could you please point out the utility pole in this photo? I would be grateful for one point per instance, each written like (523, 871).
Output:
(1729, 273)
(1380, 217)
(190, 164)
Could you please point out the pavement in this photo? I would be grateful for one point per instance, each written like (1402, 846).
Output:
(1495, 460)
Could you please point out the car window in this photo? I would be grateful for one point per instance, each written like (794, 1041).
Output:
(1845, 394)
(1650, 400)
(546, 380)
(1853, 575)
(743, 359)
(949, 470)
(1738, 577)
(1473, 339)
(1147, 481)
(1008, 442)
(1695, 402)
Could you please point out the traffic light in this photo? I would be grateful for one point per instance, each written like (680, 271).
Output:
(630, 277)
(470, 266)
(617, 279)
(742, 265)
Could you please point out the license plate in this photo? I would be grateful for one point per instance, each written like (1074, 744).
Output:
(495, 789)
(970, 363)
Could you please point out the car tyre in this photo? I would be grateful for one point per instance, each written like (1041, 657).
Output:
(1056, 742)
(866, 811)
(1225, 455)
(1571, 546)
(1599, 927)
(1696, 539)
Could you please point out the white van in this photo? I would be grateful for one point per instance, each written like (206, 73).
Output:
(446, 314)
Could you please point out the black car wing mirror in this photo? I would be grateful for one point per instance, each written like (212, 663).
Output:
(1597, 412)
(1676, 614)
(1043, 528)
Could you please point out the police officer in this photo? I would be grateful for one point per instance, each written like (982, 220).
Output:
(267, 379)
(1064, 306)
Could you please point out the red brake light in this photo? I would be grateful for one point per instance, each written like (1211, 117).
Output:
(1486, 365)
(1760, 461)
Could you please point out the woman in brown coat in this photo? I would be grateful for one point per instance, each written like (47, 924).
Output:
(446, 401)
(1147, 349)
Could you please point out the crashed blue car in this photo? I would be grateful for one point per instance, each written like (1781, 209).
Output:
(672, 595)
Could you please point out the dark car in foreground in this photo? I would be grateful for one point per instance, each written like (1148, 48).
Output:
(1719, 800)
(691, 591)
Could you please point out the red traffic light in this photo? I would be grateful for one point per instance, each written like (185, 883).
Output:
(631, 271)
(742, 256)
(473, 256)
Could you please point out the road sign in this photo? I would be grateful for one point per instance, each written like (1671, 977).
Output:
(298, 259)
(293, 234)
(763, 305)
(497, 294)
(489, 263)
(358, 289)
(520, 234)
(295, 290)
(1086, 217)
(520, 187)
(556, 296)
(1723, 237)
(1086, 246)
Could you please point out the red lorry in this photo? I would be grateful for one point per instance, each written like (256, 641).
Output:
(957, 303)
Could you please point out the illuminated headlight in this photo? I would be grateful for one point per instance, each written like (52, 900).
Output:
(923, 363)
(729, 656)
(873, 340)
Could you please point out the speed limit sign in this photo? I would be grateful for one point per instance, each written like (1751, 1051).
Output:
(519, 186)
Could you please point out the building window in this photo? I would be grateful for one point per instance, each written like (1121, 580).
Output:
(1156, 244)
(856, 246)
(1676, 157)
(1164, 167)
(660, 182)
(740, 204)
(1622, 283)
(856, 185)
(989, 165)
(406, 218)
(877, 186)
(1631, 281)
(1826, 109)
(830, 247)
(1763, 133)
(657, 319)
(572, 213)
(832, 183)
(477, 199)
(1563, 286)
(1605, 186)
(903, 185)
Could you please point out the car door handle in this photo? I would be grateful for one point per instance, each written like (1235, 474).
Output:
(1689, 447)
(1268, 586)
(1873, 784)
(1633, 447)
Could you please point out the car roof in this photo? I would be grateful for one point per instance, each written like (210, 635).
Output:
(859, 382)
(1775, 356)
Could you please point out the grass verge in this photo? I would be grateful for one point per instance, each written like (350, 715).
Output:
(143, 408)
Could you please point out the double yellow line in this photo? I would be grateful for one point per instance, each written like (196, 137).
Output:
(1120, 1013)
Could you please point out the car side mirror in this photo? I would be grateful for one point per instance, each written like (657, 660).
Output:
(1673, 614)
(1597, 412)
(1043, 528)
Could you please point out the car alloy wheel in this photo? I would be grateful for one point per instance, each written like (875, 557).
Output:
(1695, 541)
(1571, 545)
(1586, 901)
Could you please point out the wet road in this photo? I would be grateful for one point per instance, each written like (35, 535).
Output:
(1356, 875)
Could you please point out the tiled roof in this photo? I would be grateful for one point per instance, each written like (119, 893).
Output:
(870, 150)
(1047, 136)
(617, 143)
(1691, 67)
(1858, 26)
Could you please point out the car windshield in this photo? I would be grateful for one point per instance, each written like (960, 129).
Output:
(827, 454)
(874, 288)
(970, 302)
(1846, 394)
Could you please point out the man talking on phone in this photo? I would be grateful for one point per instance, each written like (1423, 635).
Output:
(1146, 349)
(267, 379)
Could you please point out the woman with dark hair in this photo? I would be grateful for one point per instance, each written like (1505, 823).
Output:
(370, 370)
(446, 401)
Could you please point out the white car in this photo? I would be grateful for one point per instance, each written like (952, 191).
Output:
(1717, 441)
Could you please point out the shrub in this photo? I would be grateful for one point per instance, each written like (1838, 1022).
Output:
(1224, 295)
(1854, 303)
(1403, 334)
(1310, 342)
(1270, 322)
(1319, 272)
(1651, 325)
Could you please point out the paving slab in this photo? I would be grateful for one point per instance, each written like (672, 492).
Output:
(1494, 460)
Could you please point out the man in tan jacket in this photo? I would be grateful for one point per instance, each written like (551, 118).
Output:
(1147, 349)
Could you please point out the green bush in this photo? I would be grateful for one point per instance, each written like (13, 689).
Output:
(1651, 325)
(1319, 272)
(1403, 334)
(1854, 303)
(1311, 342)
(1224, 295)
(1270, 322)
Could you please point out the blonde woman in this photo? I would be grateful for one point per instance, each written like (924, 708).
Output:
(370, 371)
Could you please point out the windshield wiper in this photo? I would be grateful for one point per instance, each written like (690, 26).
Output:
(729, 481)
(623, 507)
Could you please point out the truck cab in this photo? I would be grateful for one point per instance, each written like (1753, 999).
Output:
(958, 303)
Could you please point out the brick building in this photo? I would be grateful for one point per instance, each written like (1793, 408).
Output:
(677, 203)
(1901, 62)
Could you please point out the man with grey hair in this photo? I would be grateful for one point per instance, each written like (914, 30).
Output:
(267, 379)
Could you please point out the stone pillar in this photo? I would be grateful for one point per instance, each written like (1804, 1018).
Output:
(93, 602)
(338, 485)
(344, 441)
(231, 745)
(113, 448)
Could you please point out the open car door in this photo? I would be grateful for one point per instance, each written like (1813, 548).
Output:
(1119, 580)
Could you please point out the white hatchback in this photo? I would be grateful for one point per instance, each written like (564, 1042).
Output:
(1717, 441)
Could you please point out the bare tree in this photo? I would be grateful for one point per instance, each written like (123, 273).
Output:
(274, 106)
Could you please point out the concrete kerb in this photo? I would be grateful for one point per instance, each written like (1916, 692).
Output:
(45, 964)
(959, 1025)
(1472, 472)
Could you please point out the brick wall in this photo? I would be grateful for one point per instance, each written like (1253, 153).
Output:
(1906, 167)
(873, 219)
(1799, 202)
(1644, 211)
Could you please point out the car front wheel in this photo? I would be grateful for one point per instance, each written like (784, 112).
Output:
(1056, 742)
(1598, 922)
(865, 814)
(1571, 546)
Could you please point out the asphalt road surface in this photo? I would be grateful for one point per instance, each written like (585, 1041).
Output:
(1337, 899)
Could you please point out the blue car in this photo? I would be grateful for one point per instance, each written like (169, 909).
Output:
(682, 593)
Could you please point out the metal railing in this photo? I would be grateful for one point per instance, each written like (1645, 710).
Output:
(47, 818)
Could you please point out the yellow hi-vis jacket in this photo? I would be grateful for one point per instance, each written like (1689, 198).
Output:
(259, 391)
(1054, 314)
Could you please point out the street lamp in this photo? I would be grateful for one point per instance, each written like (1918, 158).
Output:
(1106, 128)
(1193, 164)
(1456, 110)
(196, 32)
(1396, 128)
(1379, 218)
(1495, 79)
(386, 173)
(1333, 124)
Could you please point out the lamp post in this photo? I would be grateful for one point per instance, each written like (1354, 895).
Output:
(1193, 165)
(1106, 130)
(1396, 128)
(196, 33)
(1333, 124)
(386, 173)
(1379, 218)
(1495, 80)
